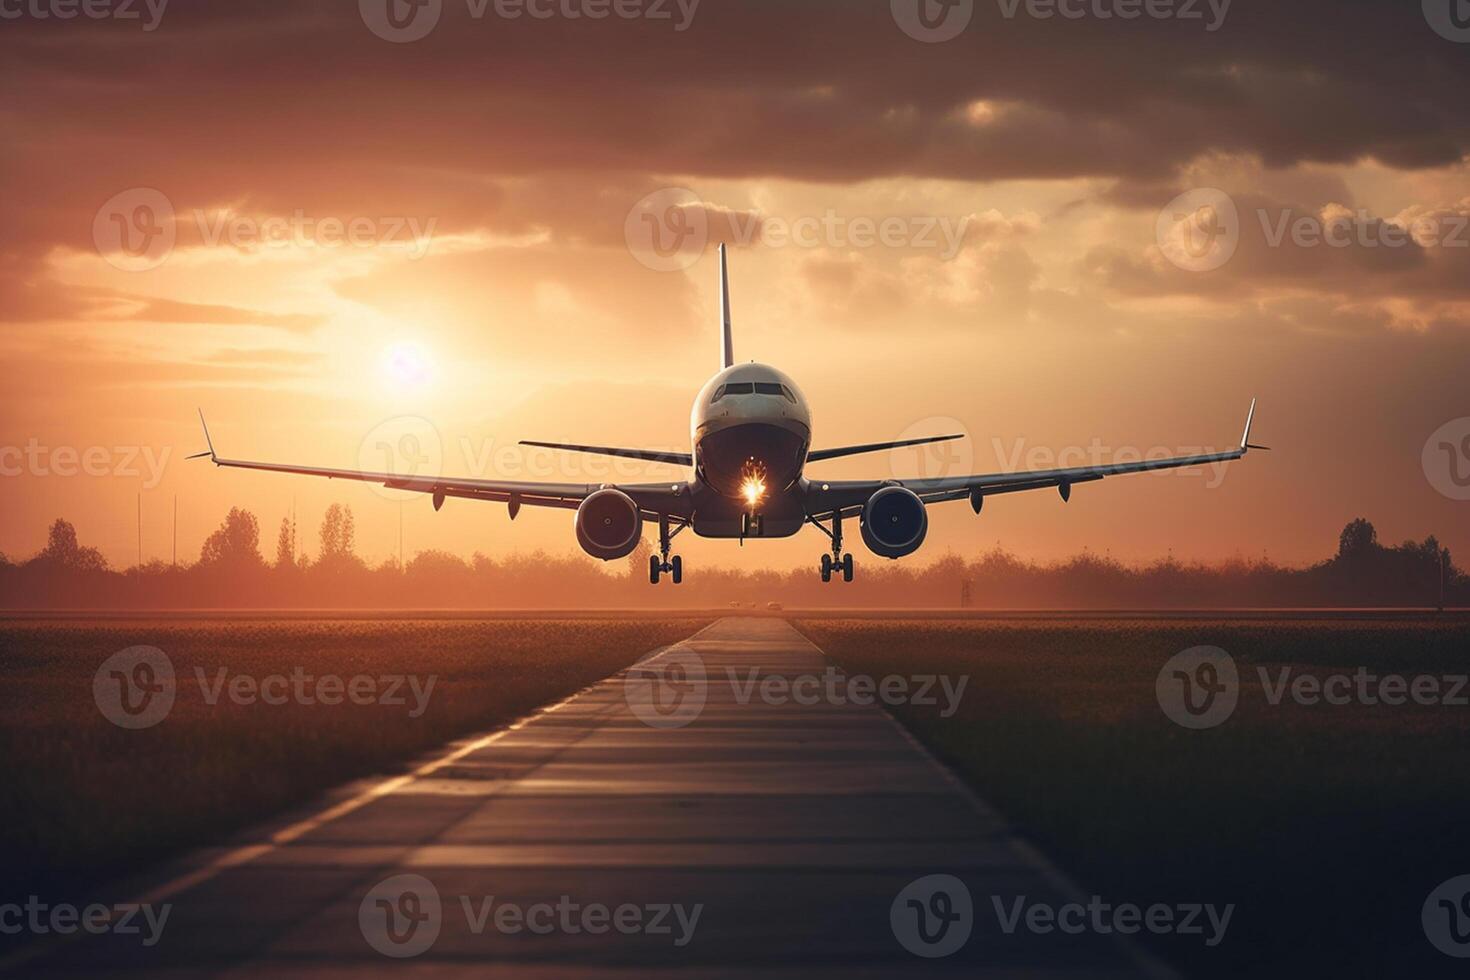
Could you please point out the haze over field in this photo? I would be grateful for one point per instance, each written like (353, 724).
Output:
(276, 213)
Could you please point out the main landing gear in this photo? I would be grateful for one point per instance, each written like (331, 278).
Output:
(836, 561)
(661, 562)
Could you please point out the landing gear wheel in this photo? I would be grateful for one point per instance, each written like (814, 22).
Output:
(676, 569)
(826, 568)
(654, 567)
(847, 567)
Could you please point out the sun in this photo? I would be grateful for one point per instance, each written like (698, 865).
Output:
(407, 364)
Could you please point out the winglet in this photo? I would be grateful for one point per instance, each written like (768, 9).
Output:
(1245, 437)
(727, 340)
(207, 441)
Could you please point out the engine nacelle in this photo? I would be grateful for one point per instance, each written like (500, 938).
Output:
(894, 522)
(608, 524)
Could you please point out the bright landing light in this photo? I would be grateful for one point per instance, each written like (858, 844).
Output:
(752, 482)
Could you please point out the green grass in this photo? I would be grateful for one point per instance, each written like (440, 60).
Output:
(85, 800)
(1327, 826)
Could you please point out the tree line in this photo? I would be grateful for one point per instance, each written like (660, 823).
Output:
(232, 573)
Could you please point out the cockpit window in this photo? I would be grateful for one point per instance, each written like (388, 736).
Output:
(789, 396)
(736, 388)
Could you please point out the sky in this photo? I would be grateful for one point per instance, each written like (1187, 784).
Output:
(354, 233)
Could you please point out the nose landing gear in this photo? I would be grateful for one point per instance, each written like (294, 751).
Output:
(837, 561)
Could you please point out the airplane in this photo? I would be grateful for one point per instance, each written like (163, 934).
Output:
(750, 430)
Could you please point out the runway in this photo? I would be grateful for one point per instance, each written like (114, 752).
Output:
(703, 814)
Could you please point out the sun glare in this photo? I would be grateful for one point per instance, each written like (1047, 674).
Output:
(406, 364)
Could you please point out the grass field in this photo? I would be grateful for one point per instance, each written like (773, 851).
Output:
(1327, 825)
(85, 800)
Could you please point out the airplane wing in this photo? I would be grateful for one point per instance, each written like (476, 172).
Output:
(817, 455)
(652, 498)
(847, 497)
(678, 459)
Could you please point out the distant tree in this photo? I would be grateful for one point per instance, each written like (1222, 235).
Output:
(286, 545)
(236, 542)
(62, 550)
(337, 537)
(1358, 540)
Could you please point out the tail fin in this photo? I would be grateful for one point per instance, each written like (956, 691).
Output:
(727, 341)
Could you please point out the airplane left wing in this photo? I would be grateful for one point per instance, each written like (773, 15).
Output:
(847, 497)
(652, 498)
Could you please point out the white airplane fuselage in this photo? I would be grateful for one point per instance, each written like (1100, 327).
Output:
(751, 429)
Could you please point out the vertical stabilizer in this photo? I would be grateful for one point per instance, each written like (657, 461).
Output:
(727, 342)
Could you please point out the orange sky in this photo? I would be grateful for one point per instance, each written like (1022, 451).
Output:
(448, 230)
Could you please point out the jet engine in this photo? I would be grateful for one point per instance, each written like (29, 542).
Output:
(894, 522)
(608, 524)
